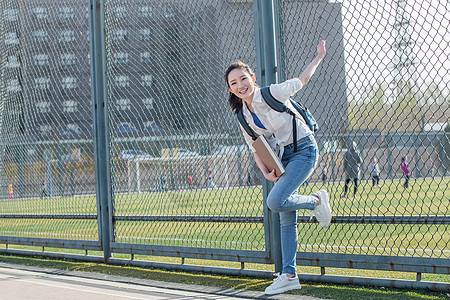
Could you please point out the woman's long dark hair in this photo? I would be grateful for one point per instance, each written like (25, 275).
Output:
(234, 101)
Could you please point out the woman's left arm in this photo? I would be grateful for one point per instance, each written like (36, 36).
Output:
(311, 68)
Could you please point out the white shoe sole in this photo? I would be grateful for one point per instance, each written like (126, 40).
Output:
(325, 200)
(284, 289)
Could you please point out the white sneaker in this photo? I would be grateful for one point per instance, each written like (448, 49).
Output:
(282, 284)
(323, 210)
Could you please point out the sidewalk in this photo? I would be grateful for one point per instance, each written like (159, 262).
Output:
(27, 282)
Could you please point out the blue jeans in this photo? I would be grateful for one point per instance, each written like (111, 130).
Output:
(284, 197)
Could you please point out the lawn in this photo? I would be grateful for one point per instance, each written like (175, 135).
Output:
(426, 197)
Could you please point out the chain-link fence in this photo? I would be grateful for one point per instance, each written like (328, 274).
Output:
(179, 179)
(47, 163)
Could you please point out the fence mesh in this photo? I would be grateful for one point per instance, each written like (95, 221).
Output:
(47, 143)
(181, 173)
(383, 86)
(174, 144)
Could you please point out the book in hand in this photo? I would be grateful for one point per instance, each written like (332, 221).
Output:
(268, 156)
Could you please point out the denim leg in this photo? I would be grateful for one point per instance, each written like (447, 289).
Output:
(289, 241)
(284, 198)
(298, 166)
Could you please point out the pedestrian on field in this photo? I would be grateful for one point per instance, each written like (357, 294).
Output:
(375, 170)
(352, 163)
(324, 174)
(11, 191)
(277, 127)
(43, 190)
(431, 169)
(405, 170)
(209, 181)
(191, 181)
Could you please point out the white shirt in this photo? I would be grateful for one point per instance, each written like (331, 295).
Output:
(278, 125)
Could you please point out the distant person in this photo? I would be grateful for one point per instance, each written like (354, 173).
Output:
(11, 191)
(352, 163)
(324, 174)
(431, 169)
(191, 181)
(43, 190)
(249, 178)
(209, 181)
(163, 183)
(375, 171)
(405, 170)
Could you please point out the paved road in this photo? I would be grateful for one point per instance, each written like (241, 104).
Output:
(17, 284)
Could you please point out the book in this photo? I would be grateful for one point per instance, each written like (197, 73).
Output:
(268, 156)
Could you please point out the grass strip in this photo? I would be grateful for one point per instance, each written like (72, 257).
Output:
(325, 291)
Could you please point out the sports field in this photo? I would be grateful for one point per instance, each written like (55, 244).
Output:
(425, 197)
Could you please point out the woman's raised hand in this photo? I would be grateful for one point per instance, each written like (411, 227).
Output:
(321, 49)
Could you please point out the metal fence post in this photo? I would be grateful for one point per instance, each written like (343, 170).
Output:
(100, 113)
(267, 68)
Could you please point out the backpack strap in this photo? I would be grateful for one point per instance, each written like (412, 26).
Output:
(279, 107)
(271, 101)
(244, 124)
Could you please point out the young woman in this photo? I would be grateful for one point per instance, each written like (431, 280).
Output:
(277, 128)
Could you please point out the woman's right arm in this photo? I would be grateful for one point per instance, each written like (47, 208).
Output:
(269, 175)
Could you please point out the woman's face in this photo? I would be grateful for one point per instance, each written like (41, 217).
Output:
(241, 84)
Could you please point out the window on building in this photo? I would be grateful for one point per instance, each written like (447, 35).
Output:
(70, 106)
(151, 126)
(126, 127)
(11, 38)
(41, 59)
(14, 112)
(122, 81)
(43, 107)
(12, 62)
(124, 104)
(42, 83)
(11, 15)
(71, 129)
(68, 59)
(146, 80)
(169, 12)
(40, 12)
(40, 36)
(121, 58)
(145, 11)
(45, 129)
(145, 57)
(13, 85)
(145, 34)
(148, 103)
(120, 11)
(66, 13)
(119, 34)
(67, 36)
(69, 83)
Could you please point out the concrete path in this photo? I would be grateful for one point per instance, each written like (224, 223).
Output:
(26, 282)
